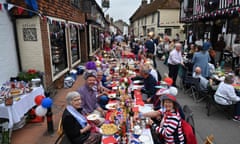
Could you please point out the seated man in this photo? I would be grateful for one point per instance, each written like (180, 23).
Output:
(89, 97)
(149, 84)
(204, 83)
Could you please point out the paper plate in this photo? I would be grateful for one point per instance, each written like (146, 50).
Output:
(144, 138)
(92, 117)
(137, 81)
(137, 87)
(111, 106)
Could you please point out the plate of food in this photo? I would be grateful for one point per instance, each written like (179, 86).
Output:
(111, 106)
(92, 117)
(16, 92)
(108, 129)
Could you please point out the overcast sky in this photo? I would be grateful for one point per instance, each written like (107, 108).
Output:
(121, 9)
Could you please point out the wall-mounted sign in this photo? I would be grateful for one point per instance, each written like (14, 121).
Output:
(105, 3)
(29, 32)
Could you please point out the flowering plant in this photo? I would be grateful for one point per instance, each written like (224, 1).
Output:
(29, 75)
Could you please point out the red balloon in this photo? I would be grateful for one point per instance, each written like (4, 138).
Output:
(38, 99)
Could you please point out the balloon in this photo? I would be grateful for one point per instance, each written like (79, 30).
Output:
(38, 99)
(47, 102)
(40, 111)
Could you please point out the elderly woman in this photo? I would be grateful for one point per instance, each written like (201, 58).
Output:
(170, 125)
(75, 125)
(226, 95)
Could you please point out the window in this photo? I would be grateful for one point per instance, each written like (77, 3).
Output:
(168, 31)
(58, 46)
(95, 39)
(74, 43)
(153, 17)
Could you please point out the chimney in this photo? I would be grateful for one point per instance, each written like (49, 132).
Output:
(144, 2)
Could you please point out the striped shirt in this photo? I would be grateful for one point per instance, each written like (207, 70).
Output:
(171, 124)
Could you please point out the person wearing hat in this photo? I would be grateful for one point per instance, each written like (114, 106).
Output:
(226, 95)
(89, 97)
(170, 121)
(202, 59)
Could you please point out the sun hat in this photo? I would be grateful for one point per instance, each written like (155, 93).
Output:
(171, 90)
(171, 98)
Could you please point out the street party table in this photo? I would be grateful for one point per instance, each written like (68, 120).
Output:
(17, 110)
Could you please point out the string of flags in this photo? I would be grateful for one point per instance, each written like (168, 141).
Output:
(216, 13)
(50, 20)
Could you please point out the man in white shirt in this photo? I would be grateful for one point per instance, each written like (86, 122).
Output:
(203, 81)
(175, 59)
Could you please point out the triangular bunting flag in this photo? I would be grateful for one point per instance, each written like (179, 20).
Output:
(8, 6)
(20, 10)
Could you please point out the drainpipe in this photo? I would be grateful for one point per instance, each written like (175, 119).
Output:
(16, 42)
(13, 19)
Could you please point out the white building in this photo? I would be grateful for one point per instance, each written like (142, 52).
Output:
(8, 55)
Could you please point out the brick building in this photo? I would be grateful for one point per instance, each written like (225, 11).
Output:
(56, 36)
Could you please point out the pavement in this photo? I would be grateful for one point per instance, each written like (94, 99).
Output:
(225, 131)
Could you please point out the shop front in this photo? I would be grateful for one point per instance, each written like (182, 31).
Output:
(52, 41)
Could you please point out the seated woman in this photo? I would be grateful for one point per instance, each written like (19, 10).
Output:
(170, 123)
(226, 95)
(75, 125)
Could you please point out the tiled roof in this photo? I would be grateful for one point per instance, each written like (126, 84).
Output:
(150, 8)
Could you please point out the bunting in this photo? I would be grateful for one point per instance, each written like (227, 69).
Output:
(34, 9)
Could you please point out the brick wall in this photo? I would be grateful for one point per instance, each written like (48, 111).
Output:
(60, 9)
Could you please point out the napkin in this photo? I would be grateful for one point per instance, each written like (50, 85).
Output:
(109, 140)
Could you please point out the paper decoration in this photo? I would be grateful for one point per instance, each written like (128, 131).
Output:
(20, 10)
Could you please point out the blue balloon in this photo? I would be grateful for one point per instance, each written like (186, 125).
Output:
(47, 102)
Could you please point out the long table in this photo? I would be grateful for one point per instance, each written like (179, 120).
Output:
(17, 110)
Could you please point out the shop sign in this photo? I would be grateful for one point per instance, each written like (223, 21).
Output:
(29, 32)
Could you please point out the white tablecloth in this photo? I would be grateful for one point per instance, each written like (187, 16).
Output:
(16, 111)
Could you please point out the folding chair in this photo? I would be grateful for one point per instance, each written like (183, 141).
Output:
(226, 109)
(197, 93)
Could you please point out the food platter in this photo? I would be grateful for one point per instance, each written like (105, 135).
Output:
(111, 106)
(92, 117)
(108, 129)
(16, 92)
